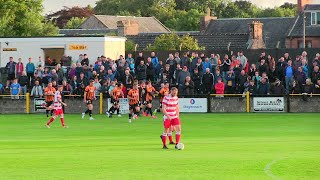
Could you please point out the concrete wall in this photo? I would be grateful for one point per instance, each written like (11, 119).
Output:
(228, 104)
(308, 104)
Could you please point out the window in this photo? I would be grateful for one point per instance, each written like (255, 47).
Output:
(308, 44)
(315, 18)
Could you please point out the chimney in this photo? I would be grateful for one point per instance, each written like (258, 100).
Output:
(256, 35)
(205, 20)
(128, 27)
(302, 3)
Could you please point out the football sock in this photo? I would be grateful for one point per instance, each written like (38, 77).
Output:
(51, 120)
(111, 110)
(150, 111)
(62, 121)
(47, 113)
(164, 139)
(177, 137)
(130, 115)
(170, 137)
(118, 110)
(51, 112)
(87, 111)
(90, 113)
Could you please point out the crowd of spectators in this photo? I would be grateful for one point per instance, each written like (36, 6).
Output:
(192, 72)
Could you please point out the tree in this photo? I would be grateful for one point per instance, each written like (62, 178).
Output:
(74, 23)
(23, 18)
(185, 20)
(130, 46)
(61, 18)
(172, 42)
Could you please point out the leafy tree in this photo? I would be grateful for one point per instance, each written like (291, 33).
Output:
(185, 20)
(62, 17)
(130, 46)
(172, 42)
(74, 23)
(23, 18)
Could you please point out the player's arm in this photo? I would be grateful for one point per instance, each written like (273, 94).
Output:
(164, 110)
(178, 110)
(85, 96)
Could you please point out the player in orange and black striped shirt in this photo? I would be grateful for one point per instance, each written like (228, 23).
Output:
(49, 95)
(116, 94)
(133, 96)
(89, 96)
(150, 92)
(163, 92)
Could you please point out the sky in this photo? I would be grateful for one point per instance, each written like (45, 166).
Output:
(55, 5)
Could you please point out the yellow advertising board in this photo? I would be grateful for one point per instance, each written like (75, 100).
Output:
(78, 47)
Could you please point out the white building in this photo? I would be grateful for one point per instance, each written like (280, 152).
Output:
(56, 47)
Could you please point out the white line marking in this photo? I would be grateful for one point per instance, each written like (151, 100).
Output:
(268, 171)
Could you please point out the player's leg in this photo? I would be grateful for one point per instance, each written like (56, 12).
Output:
(130, 113)
(178, 133)
(118, 109)
(86, 112)
(170, 135)
(50, 121)
(136, 112)
(90, 111)
(166, 125)
(62, 120)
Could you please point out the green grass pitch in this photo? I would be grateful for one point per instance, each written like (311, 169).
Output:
(217, 146)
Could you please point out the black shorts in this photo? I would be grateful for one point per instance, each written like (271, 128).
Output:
(132, 107)
(89, 101)
(49, 103)
(114, 102)
(11, 77)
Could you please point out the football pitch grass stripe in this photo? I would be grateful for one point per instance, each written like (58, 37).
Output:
(268, 169)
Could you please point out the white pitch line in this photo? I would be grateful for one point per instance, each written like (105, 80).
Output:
(268, 171)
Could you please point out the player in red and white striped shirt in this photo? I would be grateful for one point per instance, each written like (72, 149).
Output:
(170, 108)
(57, 106)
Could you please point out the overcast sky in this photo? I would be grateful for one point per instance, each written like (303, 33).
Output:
(55, 5)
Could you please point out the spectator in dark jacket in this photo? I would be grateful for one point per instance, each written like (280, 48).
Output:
(196, 78)
(207, 82)
(188, 87)
(277, 88)
(11, 66)
(85, 61)
(24, 82)
(139, 59)
(300, 77)
(230, 82)
(182, 77)
(264, 87)
(185, 60)
(150, 70)
(141, 71)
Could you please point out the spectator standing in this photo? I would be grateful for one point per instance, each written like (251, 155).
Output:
(139, 59)
(225, 65)
(277, 88)
(219, 87)
(23, 80)
(316, 88)
(176, 73)
(177, 57)
(185, 61)
(182, 77)
(300, 77)
(206, 64)
(19, 68)
(196, 78)
(231, 84)
(207, 82)
(264, 87)
(214, 62)
(15, 89)
(37, 90)
(281, 69)
(315, 74)
(85, 60)
(305, 68)
(141, 71)
(10, 67)
(40, 63)
(188, 87)
(243, 60)
(289, 76)
(150, 71)
(30, 68)
(97, 86)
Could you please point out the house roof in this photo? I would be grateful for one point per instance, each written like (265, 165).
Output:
(74, 32)
(296, 30)
(312, 7)
(274, 29)
(146, 24)
(210, 41)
